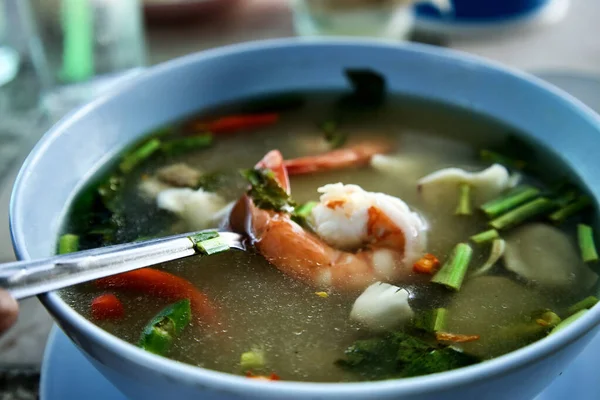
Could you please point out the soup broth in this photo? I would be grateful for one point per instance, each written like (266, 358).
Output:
(303, 330)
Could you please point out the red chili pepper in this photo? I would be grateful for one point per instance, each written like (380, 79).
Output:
(455, 338)
(163, 284)
(427, 264)
(272, 377)
(107, 306)
(236, 123)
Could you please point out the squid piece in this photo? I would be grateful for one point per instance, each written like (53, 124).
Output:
(485, 185)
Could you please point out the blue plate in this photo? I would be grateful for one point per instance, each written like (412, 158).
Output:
(481, 19)
(67, 374)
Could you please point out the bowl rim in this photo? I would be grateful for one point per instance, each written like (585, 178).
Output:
(227, 382)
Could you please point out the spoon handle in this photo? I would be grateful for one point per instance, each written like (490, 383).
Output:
(29, 278)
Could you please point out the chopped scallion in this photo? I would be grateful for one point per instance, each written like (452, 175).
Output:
(586, 303)
(570, 209)
(527, 211)
(254, 359)
(432, 320)
(209, 242)
(486, 236)
(568, 321)
(509, 201)
(454, 270)
(177, 146)
(585, 236)
(68, 243)
(464, 200)
(493, 157)
(133, 159)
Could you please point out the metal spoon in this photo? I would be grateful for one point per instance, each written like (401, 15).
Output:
(29, 278)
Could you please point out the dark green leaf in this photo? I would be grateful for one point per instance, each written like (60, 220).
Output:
(266, 192)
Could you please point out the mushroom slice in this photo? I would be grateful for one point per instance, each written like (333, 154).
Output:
(544, 255)
(196, 207)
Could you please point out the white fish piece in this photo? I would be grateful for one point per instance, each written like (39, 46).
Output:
(442, 185)
(382, 307)
(196, 207)
(342, 215)
(545, 255)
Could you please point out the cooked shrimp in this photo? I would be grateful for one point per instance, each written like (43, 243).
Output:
(357, 155)
(376, 236)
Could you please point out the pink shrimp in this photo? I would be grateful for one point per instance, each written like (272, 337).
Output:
(357, 155)
(341, 255)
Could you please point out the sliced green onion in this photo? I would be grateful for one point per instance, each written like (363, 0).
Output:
(568, 321)
(432, 320)
(454, 270)
(497, 251)
(133, 159)
(158, 335)
(209, 242)
(68, 243)
(485, 237)
(493, 157)
(254, 359)
(464, 200)
(586, 303)
(509, 201)
(178, 146)
(570, 209)
(530, 210)
(585, 236)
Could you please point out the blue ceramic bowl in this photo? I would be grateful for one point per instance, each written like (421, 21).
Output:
(77, 146)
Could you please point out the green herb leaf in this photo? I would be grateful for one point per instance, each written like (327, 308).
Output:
(266, 192)
(399, 355)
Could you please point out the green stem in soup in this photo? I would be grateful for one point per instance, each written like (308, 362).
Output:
(454, 270)
(464, 200)
(585, 236)
(254, 359)
(527, 211)
(68, 243)
(432, 320)
(505, 203)
(570, 209)
(139, 155)
(586, 303)
(303, 212)
(568, 321)
(178, 146)
(497, 251)
(159, 334)
(485, 237)
(497, 158)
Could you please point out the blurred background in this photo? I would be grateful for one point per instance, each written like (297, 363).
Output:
(56, 55)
